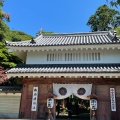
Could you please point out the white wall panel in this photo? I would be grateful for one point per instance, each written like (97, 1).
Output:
(106, 56)
(9, 105)
(111, 56)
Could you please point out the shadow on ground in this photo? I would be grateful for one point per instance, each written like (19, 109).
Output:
(83, 116)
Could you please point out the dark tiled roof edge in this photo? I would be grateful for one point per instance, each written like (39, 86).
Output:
(67, 68)
(68, 65)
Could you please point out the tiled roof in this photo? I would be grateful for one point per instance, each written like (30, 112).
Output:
(89, 38)
(10, 88)
(66, 68)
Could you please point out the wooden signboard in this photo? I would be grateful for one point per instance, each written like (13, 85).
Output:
(112, 97)
(34, 99)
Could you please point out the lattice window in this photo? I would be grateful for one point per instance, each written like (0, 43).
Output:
(74, 57)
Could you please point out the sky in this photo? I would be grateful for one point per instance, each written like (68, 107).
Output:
(58, 16)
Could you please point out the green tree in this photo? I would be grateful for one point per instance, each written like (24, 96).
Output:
(114, 3)
(103, 17)
(6, 58)
(43, 32)
(118, 30)
(9, 60)
(3, 15)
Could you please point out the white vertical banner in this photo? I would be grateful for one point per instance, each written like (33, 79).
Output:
(112, 97)
(93, 104)
(50, 102)
(34, 99)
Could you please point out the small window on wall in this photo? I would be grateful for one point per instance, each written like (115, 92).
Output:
(68, 57)
(71, 57)
(58, 57)
(47, 57)
(89, 56)
(86, 56)
(98, 56)
(76, 56)
(65, 57)
(92, 56)
(54, 57)
(79, 56)
(50, 57)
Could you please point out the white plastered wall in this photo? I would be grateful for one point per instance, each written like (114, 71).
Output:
(106, 56)
(9, 105)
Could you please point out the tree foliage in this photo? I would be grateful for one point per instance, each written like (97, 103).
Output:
(3, 15)
(103, 17)
(118, 30)
(9, 60)
(43, 32)
(15, 35)
(115, 3)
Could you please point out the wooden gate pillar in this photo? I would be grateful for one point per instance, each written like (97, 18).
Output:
(23, 101)
(93, 96)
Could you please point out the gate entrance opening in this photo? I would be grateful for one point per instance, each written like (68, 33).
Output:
(73, 108)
